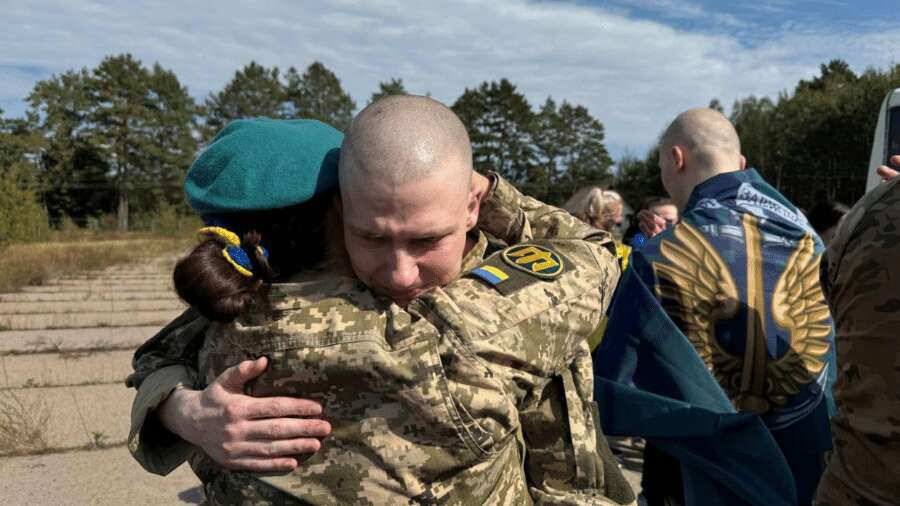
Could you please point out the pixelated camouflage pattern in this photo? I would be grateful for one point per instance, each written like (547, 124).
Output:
(513, 218)
(457, 393)
(425, 403)
(175, 344)
(861, 278)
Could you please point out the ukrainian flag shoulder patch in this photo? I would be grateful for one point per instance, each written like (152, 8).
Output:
(490, 274)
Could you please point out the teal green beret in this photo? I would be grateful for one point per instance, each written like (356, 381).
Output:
(261, 163)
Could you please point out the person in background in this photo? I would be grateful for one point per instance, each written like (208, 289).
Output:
(656, 215)
(661, 476)
(604, 210)
(825, 218)
(739, 276)
(859, 277)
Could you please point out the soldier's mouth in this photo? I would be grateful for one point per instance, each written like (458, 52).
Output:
(402, 299)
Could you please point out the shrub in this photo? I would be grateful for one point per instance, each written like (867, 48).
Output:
(167, 221)
(22, 218)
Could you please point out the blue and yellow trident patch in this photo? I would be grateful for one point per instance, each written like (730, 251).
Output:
(533, 259)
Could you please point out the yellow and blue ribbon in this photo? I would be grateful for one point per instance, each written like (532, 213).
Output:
(233, 253)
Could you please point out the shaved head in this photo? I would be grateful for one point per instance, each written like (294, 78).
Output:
(699, 144)
(407, 196)
(402, 138)
(707, 135)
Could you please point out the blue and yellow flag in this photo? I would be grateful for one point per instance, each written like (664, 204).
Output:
(727, 458)
(739, 277)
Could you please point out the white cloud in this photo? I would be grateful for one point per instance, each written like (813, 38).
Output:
(634, 75)
(681, 9)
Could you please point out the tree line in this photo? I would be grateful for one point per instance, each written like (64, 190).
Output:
(119, 138)
(813, 143)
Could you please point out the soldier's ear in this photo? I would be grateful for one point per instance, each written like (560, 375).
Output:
(472, 208)
(743, 162)
(678, 155)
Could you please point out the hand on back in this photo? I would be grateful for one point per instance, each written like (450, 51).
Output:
(241, 432)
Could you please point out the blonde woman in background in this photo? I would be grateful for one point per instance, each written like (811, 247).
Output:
(602, 209)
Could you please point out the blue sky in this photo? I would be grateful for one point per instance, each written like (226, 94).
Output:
(753, 22)
(634, 63)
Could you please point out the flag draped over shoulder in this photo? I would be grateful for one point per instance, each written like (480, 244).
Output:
(726, 457)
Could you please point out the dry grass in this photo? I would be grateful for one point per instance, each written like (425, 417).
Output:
(34, 263)
(23, 425)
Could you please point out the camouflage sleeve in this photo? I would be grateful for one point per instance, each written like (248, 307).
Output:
(157, 449)
(551, 446)
(534, 338)
(861, 269)
(514, 217)
(176, 344)
(165, 362)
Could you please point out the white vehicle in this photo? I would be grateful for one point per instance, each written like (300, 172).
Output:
(887, 137)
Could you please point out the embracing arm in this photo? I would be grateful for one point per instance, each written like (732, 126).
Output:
(514, 217)
(170, 418)
(533, 339)
(161, 365)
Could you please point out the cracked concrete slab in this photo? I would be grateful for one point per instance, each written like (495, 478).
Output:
(90, 306)
(80, 320)
(30, 341)
(85, 296)
(104, 477)
(96, 287)
(79, 416)
(64, 369)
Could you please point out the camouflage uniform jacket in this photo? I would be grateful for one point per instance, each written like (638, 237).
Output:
(428, 405)
(861, 279)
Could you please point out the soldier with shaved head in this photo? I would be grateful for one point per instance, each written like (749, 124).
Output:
(407, 195)
(453, 365)
(739, 275)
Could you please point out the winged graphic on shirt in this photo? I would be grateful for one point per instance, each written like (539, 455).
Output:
(798, 305)
(697, 289)
(700, 291)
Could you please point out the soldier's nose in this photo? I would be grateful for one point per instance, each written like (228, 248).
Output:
(404, 273)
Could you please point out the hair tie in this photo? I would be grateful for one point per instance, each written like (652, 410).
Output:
(238, 259)
(234, 253)
(220, 232)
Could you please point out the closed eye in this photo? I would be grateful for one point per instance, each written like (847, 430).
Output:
(427, 242)
(373, 239)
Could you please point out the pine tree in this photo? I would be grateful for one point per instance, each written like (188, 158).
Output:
(570, 150)
(549, 143)
(638, 179)
(317, 94)
(73, 175)
(392, 87)
(122, 124)
(253, 91)
(583, 152)
(500, 124)
(173, 121)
